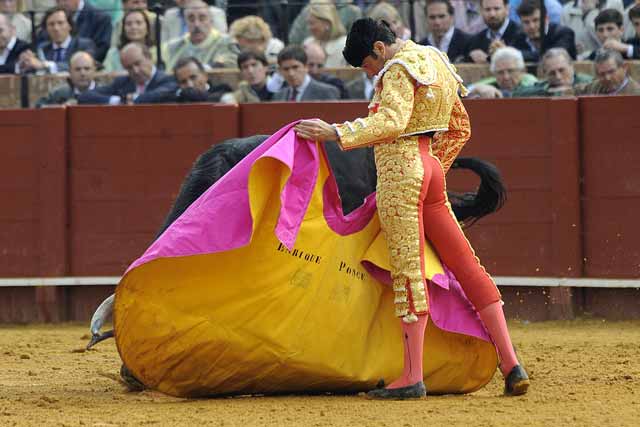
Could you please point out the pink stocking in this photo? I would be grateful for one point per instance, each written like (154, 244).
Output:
(413, 339)
(493, 318)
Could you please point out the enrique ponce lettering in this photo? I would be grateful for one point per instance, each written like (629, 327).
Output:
(306, 256)
(351, 271)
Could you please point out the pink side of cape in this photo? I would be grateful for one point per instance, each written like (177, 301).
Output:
(206, 226)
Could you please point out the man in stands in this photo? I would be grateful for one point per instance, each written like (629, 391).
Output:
(204, 42)
(90, 23)
(612, 76)
(500, 31)
(555, 35)
(54, 54)
(143, 84)
(316, 59)
(21, 23)
(253, 87)
(82, 70)
(193, 84)
(609, 30)
(561, 78)
(443, 35)
(509, 75)
(292, 63)
(10, 46)
(629, 49)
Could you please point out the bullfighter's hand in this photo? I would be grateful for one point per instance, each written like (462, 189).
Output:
(316, 130)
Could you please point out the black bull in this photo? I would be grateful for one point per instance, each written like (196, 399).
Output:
(355, 173)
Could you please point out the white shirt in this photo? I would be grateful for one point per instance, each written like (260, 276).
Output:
(7, 50)
(444, 42)
(92, 86)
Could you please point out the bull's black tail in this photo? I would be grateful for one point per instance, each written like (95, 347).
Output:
(491, 195)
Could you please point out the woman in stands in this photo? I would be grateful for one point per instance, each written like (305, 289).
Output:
(327, 30)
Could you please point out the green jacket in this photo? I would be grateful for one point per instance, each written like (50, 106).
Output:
(542, 88)
(528, 80)
(217, 50)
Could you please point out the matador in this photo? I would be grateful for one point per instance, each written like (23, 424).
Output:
(417, 125)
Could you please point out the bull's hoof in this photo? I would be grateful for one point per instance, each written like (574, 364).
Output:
(132, 383)
(415, 391)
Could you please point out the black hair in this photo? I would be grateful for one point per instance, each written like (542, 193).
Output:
(189, 60)
(246, 55)
(123, 36)
(363, 34)
(609, 16)
(450, 8)
(505, 2)
(53, 10)
(295, 52)
(528, 7)
(634, 12)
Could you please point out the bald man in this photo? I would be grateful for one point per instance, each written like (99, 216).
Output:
(143, 84)
(10, 46)
(82, 70)
(316, 59)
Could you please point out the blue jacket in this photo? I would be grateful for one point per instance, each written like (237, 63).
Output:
(155, 92)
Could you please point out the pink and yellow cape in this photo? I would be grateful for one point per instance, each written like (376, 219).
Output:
(264, 286)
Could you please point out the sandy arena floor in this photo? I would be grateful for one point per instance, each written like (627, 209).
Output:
(584, 372)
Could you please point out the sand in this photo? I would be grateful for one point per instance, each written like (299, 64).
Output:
(584, 372)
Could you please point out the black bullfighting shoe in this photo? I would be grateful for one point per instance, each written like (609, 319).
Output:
(415, 391)
(132, 383)
(517, 382)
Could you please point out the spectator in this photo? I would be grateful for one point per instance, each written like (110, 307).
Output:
(555, 35)
(509, 75)
(580, 15)
(82, 70)
(292, 62)
(10, 46)
(202, 41)
(553, 7)
(633, 43)
(21, 23)
(500, 31)
(136, 29)
(316, 59)
(39, 6)
(360, 88)
(347, 12)
(90, 23)
(144, 83)
(609, 31)
(193, 84)
(174, 24)
(113, 8)
(467, 16)
(140, 5)
(384, 11)
(612, 76)
(629, 29)
(253, 87)
(630, 48)
(327, 30)
(253, 33)
(561, 78)
(53, 55)
(443, 34)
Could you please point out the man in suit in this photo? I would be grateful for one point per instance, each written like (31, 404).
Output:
(10, 46)
(443, 35)
(612, 76)
(630, 48)
(360, 88)
(21, 23)
(292, 64)
(82, 70)
(500, 31)
(193, 84)
(555, 35)
(90, 23)
(53, 55)
(144, 83)
(316, 59)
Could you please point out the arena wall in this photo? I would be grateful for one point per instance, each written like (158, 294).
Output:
(86, 188)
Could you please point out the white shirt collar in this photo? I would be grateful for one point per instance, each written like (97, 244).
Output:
(444, 42)
(92, 86)
(65, 44)
(303, 86)
(500, 31)
(7, 50)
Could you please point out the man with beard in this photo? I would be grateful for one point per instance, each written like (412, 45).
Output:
(500, 31)
(555, 35)
(612, 76)
(204, 42)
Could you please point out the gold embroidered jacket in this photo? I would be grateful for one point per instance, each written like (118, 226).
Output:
(416, 92)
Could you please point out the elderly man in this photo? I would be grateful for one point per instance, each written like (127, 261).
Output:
(292, 64)
(144, 83)
(316, 59)
(555, 35)
(509, 75)
(203, 41)
(82, 70)
(612, 76)
(500, 31)
(53, 55)
(10, 46)
(90, 23)
(443, 35)
(560, 76)
(21, 23)
(174, 24)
